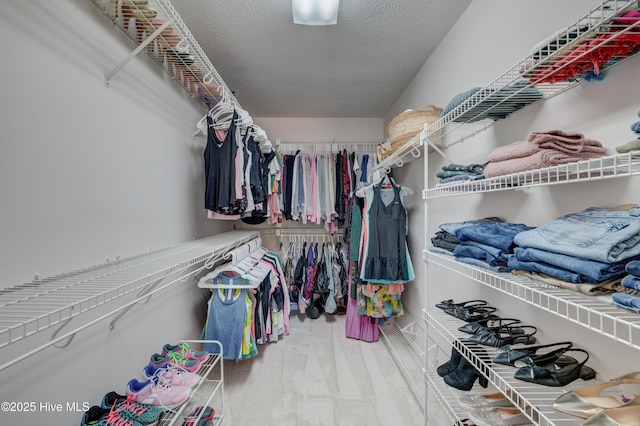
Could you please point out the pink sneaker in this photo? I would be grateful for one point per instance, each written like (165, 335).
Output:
(159, 394)
(173, 375)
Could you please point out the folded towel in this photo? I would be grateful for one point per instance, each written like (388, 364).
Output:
(542, 158)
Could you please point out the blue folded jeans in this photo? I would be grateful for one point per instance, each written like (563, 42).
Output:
(495, 234)
(492, 255)
(594, 271)
(452, 227)
(633, 268)
(544, 268)
(599, 234)
(632, 282)
(627, 301)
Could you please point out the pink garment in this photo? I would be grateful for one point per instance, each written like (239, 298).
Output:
(357, 327)
(570, 143)
(274, 207)
(215, 215)
(541, 159)
(239, 178)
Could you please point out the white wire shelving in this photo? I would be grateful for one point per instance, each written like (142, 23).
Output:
(555, 66)
(209, 392)
(157, 28)
(586, 311)
(608, 167)
(406, 341)
(32, 308)
(532, 399)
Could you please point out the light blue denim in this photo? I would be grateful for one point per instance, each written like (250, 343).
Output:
(594, 271)
(481, 263)
(632, 282)
(300, 195)
(633, 268)
(627, 301)
(496, 234)
(595, 233)
(492, 255)
(452, 227)
(544, 268)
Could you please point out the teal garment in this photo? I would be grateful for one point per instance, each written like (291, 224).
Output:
(356, 232)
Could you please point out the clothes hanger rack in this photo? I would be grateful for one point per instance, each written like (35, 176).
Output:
(362, 191)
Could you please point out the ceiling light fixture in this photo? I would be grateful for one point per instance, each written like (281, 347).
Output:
(315, 12)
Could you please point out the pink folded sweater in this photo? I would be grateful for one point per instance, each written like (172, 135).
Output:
(542, 149)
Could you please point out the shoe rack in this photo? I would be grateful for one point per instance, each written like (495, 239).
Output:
(500, 98)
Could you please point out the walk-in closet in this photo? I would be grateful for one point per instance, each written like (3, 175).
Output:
(418, 213)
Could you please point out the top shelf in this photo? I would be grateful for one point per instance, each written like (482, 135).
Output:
(554, 66)
(158, 29)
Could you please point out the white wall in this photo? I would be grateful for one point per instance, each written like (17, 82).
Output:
(490, 38)
(88, 173)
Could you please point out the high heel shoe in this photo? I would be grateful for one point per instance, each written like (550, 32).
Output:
(509, 355)
(551, 375)
(585, 402)
(465, 375)
(624, 416)
(492, 321)
(506, 335)
(450, 366)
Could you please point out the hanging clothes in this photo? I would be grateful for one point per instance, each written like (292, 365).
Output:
(220, 169)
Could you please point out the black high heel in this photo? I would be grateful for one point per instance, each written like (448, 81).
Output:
(509, 355)
(449, 303)
(492, 321)
(471, 312)
(565, 374)
(466, 374)
(450, 366)
(506, 335)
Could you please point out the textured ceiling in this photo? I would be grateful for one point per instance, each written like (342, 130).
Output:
(356, 68)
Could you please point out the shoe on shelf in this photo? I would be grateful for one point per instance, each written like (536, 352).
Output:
(185, 350)
(201, 416)
(586, 402)
(173, 375)
(464, 376)
(623, 416)
(556, 375)
(177, 359)
(128, 408)
(473, 401)
(158, 393)
(451, 365)
(98, 416)
(498, 416)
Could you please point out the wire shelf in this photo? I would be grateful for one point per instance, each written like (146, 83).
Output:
(608, 320)
(557, 65)
(160, 31)
(532, 399)
(403, 341)
(31, 308)
(609, 167)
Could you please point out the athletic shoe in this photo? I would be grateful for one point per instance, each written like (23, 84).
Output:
(130, 409)
(177, 359)
(173, 375)
(185, 350)
(206, 419)
(98, 416)
(159, 394)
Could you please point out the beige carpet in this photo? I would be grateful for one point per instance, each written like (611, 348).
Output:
(316, 376)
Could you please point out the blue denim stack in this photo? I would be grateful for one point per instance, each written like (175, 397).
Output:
(628, 301)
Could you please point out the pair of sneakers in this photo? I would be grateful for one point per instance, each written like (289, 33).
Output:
(180, 356)
(158, 392)
(201, 416)
(121, 410)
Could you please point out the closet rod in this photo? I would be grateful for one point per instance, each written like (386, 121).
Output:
(371, 141)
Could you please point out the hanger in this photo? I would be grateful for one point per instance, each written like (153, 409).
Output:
(362, 191)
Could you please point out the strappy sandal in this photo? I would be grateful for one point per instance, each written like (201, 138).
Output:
(492, 321)
(509, 356)
(470, 312)
(506, 335)
(553, 376)
(449, 303)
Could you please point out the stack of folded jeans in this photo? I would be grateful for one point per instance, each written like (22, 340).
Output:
(453, 174)
(486, 242)
(630, 299)
(591, 246)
